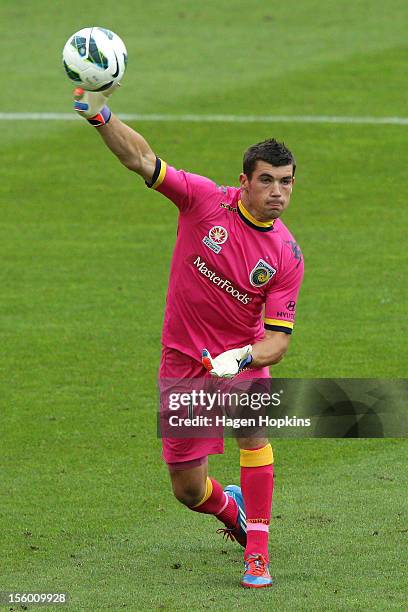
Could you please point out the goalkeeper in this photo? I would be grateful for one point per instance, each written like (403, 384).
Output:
(235, 276)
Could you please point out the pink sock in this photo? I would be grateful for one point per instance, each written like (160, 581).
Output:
(257, 489)
(218, 503)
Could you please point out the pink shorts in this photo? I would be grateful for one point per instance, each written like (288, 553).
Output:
(177, 366)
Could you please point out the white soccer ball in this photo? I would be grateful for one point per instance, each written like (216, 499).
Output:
(94, 58)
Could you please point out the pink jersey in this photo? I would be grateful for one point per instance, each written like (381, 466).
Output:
(231, 276)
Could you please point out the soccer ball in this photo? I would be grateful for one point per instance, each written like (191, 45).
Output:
(94, 58)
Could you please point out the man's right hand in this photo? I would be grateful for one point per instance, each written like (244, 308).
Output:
(92, 105)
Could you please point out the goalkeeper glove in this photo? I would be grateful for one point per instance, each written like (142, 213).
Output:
(92, 105)
(228, 364)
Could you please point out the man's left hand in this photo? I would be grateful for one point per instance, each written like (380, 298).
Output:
(228, 364)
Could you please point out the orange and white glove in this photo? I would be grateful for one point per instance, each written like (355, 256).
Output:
(92, 105)
(228, 364)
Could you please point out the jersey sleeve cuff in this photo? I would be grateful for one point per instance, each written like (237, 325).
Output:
(278, 325)
(158, 174)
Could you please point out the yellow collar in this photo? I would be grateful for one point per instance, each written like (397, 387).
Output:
(245, 213)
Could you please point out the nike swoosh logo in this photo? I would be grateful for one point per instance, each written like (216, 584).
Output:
(115, 74)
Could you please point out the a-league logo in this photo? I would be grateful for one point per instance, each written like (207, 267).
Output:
(261, 274)
(217, 235)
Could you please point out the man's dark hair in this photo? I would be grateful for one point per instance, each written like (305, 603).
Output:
(270, 151)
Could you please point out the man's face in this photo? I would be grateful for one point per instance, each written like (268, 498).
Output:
(267, 193)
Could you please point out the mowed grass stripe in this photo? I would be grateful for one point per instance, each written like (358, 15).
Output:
(216, 118)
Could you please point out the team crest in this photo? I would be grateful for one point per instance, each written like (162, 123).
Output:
(216, 236)
(261, 274)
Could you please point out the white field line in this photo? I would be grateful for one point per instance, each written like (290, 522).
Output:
(216, 118)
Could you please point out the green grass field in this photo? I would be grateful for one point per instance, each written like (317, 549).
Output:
(85, 247)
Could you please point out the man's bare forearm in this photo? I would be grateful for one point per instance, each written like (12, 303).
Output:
(132, 150)
(270, 350)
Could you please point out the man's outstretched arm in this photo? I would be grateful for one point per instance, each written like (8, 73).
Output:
(132, 150)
